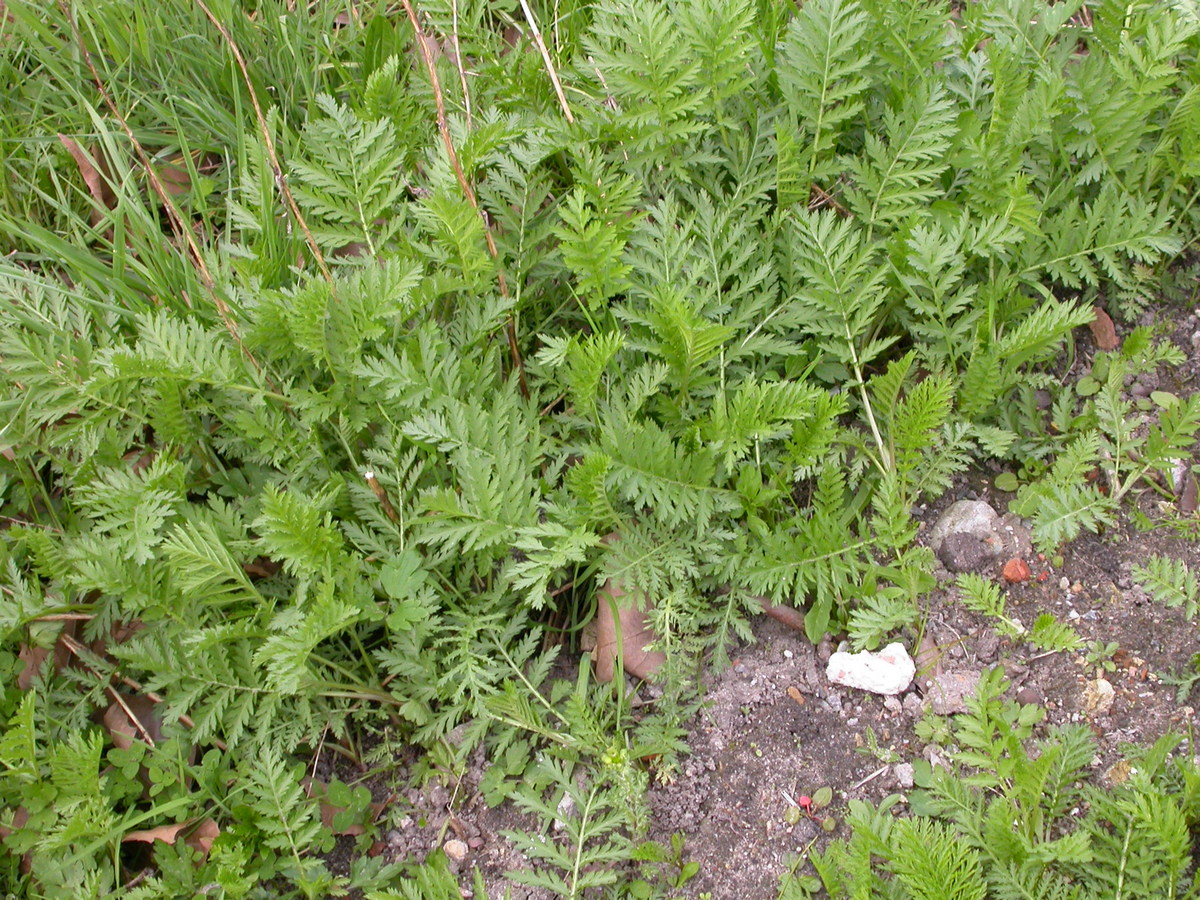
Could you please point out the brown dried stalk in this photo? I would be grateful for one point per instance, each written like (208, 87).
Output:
(272, 156)
(443, 124)
(178, 225)
(541, 45)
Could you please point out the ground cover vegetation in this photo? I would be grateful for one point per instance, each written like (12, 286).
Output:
(348, 348)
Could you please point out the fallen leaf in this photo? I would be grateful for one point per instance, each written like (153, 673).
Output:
(261, 567)
(1187, 497)
(618, 617)
(928, 659)
(20, 817)
(33, 657)
(329, 812)
(615, 620)
(165, 833)
(89, 167)
(175, 175)
(1103, 330)
(202, 837)
(145, 726)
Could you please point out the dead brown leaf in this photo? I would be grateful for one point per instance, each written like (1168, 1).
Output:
(90, 165)
(1188, 496)
(165, 833)
(199, 838)
(1103, 330)
(328, 811)
(34, 657)
(928, 659)
(622, 627)
(202, 836)
(20, 817)
(175, 175)
(133, 717)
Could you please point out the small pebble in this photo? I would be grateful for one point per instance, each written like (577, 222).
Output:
(904, 774)
(787, 654)
(1028, 695)
(824, 650)
(455, 849)
(1064, 582)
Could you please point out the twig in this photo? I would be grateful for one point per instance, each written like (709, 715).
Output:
(788, 615)
(821, 197)
(80, 651)
(541, 45)
(469, 192)
(870, 777)
(272, 156)
(444, 130)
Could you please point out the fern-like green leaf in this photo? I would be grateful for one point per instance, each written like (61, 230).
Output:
(897, 177)
(821, 66)
(1170, 582)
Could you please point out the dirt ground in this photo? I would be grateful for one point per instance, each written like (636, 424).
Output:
(774, 728)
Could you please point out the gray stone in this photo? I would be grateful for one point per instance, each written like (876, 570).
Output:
(987, 647)
(962, 552)
(904, 774)
(912, 704)
(973, 517)
(947, 692)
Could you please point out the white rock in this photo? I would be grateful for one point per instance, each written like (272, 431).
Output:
(888, 672)
(904, 774)
(455, 849)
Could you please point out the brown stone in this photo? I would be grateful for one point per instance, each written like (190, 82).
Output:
(1016, 570)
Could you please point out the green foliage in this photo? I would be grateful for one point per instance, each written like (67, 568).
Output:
(1109, 438)
(392, 374)
(1015, 818)
(1170, 582)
